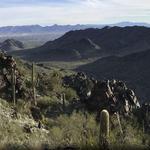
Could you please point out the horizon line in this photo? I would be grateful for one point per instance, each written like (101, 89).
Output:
(55, 24)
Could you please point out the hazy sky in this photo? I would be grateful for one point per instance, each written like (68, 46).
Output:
(48, 12)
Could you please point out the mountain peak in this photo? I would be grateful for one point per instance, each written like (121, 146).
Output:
(11, 44)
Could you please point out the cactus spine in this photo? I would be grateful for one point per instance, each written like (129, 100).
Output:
(13, 80)
(33, 83)
(104, 129)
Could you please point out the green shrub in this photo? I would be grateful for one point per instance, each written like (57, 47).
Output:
(48, 83)
(70, 94)
(46, 101)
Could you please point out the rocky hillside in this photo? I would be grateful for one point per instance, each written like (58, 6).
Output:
(92, 43)
(11, 45)
(63, 112)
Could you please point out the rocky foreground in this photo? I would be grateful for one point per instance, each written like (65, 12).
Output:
(67, 109)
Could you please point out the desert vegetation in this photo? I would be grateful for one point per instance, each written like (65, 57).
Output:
(40, 111)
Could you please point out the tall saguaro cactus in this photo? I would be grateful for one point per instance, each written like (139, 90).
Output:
(104, 129)
(13, 82)
(33, 83)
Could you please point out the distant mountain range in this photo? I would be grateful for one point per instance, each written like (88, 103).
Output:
(34, 29)
(91, 43)
(11, 45)
(130, 24)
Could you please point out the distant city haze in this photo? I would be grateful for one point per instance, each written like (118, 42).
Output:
(48, 12)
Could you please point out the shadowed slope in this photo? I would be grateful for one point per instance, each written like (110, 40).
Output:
(134, 69)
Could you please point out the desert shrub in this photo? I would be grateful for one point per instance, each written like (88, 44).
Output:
(55, 81)
(48, 83)
(132, 133)
(63, 130)
(23, 107)
(47, 101)
(44, 102)
(70, 94)
(66, 130)
(69, 129)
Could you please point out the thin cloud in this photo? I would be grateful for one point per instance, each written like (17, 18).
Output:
(46, 12)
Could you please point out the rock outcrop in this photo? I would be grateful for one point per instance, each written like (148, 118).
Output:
(97, 95)
(7, 64)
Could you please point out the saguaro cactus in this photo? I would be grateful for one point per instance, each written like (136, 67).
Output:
(64, 101)
(104, 129)
(13, 82)
(33, 83)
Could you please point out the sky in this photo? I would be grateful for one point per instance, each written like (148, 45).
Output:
(49, 12)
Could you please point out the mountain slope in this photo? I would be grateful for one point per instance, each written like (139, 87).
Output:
(92, 43)
(11, 44)
(134, 69)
